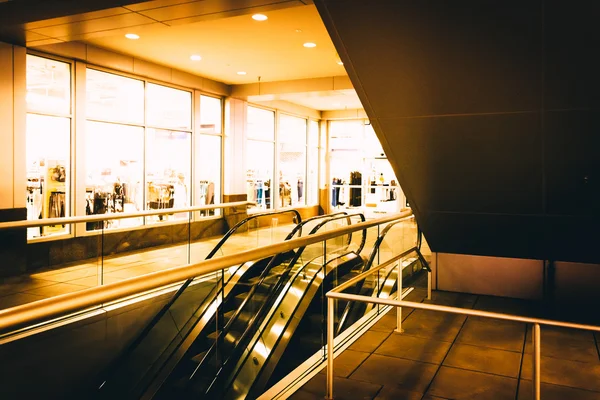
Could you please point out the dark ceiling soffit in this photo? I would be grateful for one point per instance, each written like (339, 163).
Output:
(362, 95)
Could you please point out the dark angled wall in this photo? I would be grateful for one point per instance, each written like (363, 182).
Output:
(489, 112)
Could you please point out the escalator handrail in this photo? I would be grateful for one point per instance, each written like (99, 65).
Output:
(297, 219)
(299, 226)
(348, 217)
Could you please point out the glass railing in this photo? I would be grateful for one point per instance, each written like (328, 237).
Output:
(107, 255)
(270, 322)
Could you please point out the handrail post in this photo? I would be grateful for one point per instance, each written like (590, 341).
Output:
(536, 362)
(399, 297)
(428, 285)
(330, 328)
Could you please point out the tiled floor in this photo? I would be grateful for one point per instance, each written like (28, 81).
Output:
(441, 356)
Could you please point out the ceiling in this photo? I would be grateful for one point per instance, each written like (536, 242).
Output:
(227, 39)
(272, 50)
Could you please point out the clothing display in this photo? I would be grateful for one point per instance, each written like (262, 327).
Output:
(355, 193)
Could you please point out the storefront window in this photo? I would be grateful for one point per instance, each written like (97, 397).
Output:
(168, 171)
(48, 143)
(260, 157)
(48, 171)
(210, 114)
(361, 175)
(114, 98)
(312, 186)
(114, 160)
(208, 172)
(168, 107)
(48, 86)
(292, 161)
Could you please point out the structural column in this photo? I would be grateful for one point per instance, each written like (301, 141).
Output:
(12, 157)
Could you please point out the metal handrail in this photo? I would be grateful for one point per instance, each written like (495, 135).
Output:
(106, 217)
(59, 306)
(336, 293)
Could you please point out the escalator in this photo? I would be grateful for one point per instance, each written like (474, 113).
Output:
(293, 290)
(197, 299)
(196, 311)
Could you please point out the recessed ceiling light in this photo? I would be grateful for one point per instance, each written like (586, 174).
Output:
(340, 62)
(132, 36)
(195, 57)
(310, 44)
(298, 30)
(260, 17)
(241, 73)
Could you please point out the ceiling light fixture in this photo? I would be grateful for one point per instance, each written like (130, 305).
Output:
(195, 57)
(340, 62)
(309, 45)
(260, 17)
(132, 36)
(241, 73)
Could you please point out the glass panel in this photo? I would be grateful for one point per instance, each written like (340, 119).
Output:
(48, 161)
(114, 161)
(346, 163)
(208, 172)
(260, 173)
(261, 124)
(168, 107)
(168, 172)
(210, 114)
(292, 161)
(113, 97)
(48, 86)
(208, 161)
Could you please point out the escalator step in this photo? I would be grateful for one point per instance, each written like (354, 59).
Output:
(199, 357)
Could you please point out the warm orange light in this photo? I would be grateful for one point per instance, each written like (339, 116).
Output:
(132, 36)
(260, 17)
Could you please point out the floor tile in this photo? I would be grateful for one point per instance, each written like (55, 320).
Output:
(55, 290)
(73, 275)
(565, 346)
(484, 359)
(495, 334)
(506, 305)
(393, 392)
(343, 389)
(414, 348)
(453, 383)
(387, 323)
(410, 375)
(347, 362)
(565, 372)
(23, 285)
(555, 392)
(436, 315)
(369, 341)
(16, 299)
(461, 300)
(444, 329)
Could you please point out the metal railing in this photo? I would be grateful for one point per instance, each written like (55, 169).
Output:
(336, 294)
(111, 216)
(60, 306)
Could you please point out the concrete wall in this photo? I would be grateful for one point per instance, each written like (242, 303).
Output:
(507, 277)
